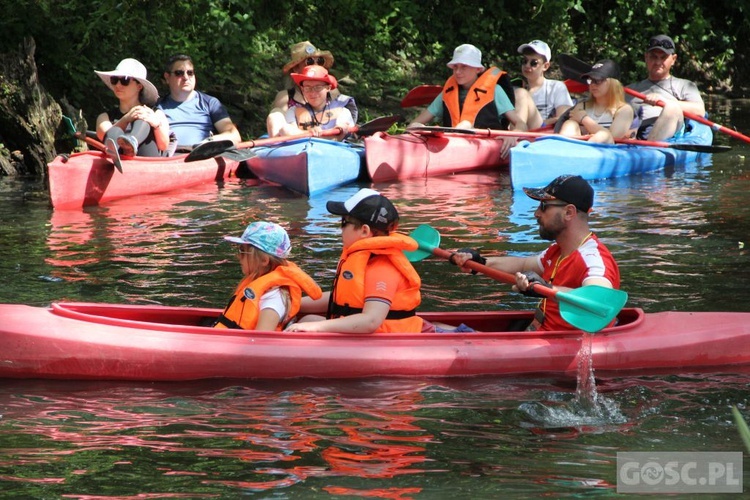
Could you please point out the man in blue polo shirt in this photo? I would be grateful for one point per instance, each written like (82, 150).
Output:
(193, 116)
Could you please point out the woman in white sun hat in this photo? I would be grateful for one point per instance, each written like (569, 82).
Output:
(133, 127)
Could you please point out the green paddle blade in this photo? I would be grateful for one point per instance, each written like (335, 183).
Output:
(428, 239)
(591, 308)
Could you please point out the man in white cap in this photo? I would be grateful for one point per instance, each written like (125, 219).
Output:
(551, 97)
(473, 97)
(657, 123)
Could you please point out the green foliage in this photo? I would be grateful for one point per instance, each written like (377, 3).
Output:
(382, 49)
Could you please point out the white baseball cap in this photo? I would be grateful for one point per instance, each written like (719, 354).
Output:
(468, 55)
(539, 47)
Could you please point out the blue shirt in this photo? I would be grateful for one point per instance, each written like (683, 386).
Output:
(193, 120)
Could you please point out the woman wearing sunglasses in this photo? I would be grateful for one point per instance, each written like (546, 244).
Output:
(551, 97)
(133, 127)
(604, 115)
(303, 54)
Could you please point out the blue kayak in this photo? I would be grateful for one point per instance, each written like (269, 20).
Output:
(308, 166)
(537, 163)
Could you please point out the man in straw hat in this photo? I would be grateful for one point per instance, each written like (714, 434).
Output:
(303, 54)
(133, 127)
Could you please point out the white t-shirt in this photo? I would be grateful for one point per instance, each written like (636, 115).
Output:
(274, 299)
(549, 96)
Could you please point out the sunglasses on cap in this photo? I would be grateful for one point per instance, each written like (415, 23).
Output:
(530, 62)
(665, 44)
(123, 80)
(182, 72)
(320, 61)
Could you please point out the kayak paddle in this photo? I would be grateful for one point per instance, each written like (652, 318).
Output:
(421, 95)
(700, 148)
(589, 308)
(211, 149)
(573, 68)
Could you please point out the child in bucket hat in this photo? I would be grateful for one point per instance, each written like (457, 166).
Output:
(376, 289)
(140, 130)
(269, 295)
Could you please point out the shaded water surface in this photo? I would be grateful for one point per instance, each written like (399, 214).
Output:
(679, 235)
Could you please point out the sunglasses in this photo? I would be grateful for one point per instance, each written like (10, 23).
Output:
(122, 80)
(314, 88)
(544, 205)
(665, 44)
(320, 61)
(182, 72)
(530, 62)
(596, 81)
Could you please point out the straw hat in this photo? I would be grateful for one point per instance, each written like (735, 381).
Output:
(133, 69)
(303, 50)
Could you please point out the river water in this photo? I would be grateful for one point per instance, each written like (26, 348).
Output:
(680, 237)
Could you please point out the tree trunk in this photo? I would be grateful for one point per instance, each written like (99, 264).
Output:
(29, 116)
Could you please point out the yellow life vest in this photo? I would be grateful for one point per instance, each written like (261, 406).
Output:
(348, 295)
(243, 309)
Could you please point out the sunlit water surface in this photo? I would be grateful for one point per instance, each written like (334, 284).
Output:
(680, 237)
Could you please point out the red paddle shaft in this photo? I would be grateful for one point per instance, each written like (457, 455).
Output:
(495, 273)
(693, 116)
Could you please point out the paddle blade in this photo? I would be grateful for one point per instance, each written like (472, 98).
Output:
(591, 308)
(381, 124)
(206, 150)
(572, 67)
(702, 148)
(428, 240)
(238, 154)
(421, 96)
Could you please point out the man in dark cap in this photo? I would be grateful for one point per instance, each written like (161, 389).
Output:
(679, 95)
(576, 258)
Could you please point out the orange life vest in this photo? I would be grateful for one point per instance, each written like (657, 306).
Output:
(243, 309)
(479, 105)
(348, 295)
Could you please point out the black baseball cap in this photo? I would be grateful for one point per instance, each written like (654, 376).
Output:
(571, 189)
(661, 42)
(606, 68)
(368, 206)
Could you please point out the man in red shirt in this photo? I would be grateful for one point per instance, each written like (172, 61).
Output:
(576, 257)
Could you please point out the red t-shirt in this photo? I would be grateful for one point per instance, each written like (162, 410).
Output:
(591, 260)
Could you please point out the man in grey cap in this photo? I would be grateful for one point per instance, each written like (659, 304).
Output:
(657, 123)
(576, 257)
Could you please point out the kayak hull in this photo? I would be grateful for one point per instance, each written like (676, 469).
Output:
(406, 156)
(308, 166)
(157, 343)
(537, 163)
(90, 178)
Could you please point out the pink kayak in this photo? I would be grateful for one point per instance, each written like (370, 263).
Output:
(90, 178)
(408, 155)
(157, 343)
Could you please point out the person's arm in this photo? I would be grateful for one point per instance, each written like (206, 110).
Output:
(315, 306)
(268, 320)
(372, 316)
(227, 130)
(621, 122)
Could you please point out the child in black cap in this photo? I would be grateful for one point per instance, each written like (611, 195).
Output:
(376, 289)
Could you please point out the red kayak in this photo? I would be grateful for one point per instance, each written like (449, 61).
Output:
(90, 178)
(156, 343)
(409, 155)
